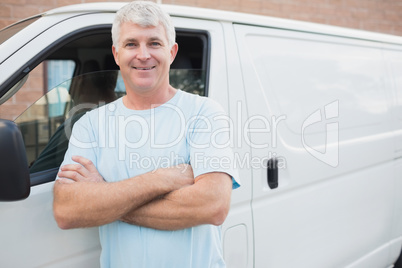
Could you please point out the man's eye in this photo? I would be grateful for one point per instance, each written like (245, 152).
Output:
(154, 44)
(130, 45)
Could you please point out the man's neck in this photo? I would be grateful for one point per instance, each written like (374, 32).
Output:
(149, 99)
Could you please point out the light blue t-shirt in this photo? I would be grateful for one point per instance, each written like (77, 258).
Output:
(123, 143)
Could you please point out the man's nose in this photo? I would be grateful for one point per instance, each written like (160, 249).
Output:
(143, 53)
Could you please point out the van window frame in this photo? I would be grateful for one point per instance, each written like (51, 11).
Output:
(47, 51)
(206, 51)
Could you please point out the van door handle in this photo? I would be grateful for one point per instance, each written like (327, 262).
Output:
(272, 173)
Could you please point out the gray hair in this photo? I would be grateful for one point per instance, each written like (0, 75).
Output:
(145, 14)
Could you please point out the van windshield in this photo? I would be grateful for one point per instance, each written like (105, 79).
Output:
(9, 31)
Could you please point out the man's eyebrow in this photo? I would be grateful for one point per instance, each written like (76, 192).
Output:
(129, 40)
(153, 38)
(156, 38)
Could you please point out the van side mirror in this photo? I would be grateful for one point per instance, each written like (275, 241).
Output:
(14, 173)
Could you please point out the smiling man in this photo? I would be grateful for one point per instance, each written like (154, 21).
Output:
(150, 215)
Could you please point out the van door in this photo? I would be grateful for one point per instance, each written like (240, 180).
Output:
(319, 129)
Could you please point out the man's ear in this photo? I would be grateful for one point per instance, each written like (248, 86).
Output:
(173, 52)
(114, 51)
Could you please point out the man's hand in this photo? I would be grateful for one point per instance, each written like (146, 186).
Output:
(84, 171)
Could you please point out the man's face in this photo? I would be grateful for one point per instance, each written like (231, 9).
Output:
(144, 57)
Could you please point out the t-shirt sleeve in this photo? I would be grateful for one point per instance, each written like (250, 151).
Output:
(209, 142)
(82, 141)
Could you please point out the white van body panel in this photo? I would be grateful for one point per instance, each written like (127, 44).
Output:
(31, 237)
(325, 101)
(393, 57)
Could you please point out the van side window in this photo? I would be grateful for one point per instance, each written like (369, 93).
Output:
(188, 71)
(46, 131)
(41, 120)
(80, 76)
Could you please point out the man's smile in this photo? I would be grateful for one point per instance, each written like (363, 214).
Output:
(144, 68)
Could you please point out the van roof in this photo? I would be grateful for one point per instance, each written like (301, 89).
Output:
(236, 17)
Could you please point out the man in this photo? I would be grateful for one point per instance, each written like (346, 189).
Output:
(126, 169)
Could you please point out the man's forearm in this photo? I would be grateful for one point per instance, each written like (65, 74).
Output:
(87, 204)
(205, 202)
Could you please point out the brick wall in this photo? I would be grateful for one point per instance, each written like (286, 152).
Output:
(373, 15)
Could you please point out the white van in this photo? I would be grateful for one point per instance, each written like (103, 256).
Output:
(317, 130)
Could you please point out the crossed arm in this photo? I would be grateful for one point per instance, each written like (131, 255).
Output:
(207, 201)
(166, 199)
